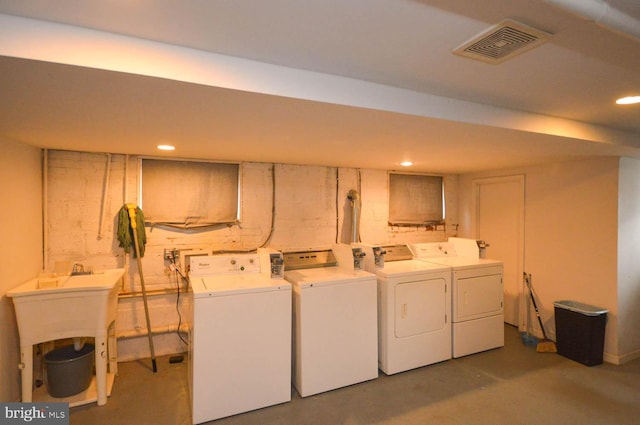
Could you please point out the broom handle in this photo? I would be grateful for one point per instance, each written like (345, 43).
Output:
(535, 306)
(132, 217)
(528, 313)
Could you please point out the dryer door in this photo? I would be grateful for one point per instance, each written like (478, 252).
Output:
(420, 307)
(477, 294)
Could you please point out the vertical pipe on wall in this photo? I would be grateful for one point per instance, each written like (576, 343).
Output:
(105, 189)
(337, 204)
(45, 209)
(354, 197)
(126, 177)
(273, 206)
(125, 194)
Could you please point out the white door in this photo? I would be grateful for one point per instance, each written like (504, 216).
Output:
(499, 214)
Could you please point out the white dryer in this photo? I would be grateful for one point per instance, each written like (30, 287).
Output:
(477, 295)
(240, 339)
(414, 308)
(334, 322)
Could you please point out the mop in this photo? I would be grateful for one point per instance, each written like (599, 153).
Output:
(128, 211)
(545, 345)
(527, 338)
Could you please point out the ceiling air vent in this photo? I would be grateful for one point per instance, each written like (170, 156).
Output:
(502, 41)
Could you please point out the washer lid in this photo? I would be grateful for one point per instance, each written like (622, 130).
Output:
(410, 268)
(222, 285)
(327, 276)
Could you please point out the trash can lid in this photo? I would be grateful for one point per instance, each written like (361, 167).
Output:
(578, 307)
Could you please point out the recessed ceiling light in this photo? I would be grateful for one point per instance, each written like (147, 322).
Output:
(166, 147)
(406, 163)
(628, 100)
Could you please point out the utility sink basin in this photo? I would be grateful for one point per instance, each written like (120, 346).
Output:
(72, 306)
(81, 282)
(78, 304)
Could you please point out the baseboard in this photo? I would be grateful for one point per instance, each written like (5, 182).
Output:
(621, 359)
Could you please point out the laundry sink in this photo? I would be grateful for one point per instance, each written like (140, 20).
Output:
(77, 304)
(67, 307)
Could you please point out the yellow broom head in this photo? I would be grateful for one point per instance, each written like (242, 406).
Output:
(546, 346)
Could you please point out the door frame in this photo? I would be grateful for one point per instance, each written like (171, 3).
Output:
(475, 208)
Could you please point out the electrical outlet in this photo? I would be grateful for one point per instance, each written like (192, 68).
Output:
(171, 253)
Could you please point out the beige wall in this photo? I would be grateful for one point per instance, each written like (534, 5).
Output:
(308, 199)
(629, 259)
(571, 234)
(21, 228)
(564, 202)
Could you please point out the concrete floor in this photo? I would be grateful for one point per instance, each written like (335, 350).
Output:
(511, 385)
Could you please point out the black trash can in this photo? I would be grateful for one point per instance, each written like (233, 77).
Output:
(580, 331)
(68, 371)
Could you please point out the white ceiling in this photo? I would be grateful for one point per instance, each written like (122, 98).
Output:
(384, 85)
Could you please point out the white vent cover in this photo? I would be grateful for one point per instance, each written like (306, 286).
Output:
(502, 41)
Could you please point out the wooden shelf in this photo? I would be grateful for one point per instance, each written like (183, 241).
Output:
(90, 395)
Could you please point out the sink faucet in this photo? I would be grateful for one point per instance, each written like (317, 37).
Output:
(77, 269)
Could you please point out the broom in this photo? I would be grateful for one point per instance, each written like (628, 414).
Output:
(527, 338)
(545, 345)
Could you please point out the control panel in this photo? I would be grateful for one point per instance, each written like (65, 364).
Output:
(309, 259)
(224, 264)
(400, 252)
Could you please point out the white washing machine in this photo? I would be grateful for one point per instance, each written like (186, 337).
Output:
(414, 308)
(240, 339)
(477, 295)
(334, 322)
